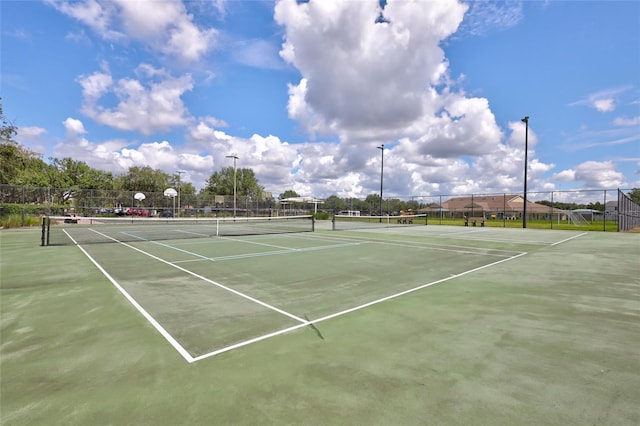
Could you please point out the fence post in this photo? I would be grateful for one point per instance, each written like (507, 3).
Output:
(23, 204)
(504, 210)
(552, 207)
(604, 212)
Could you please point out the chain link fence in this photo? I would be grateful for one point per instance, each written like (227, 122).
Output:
(605, 209)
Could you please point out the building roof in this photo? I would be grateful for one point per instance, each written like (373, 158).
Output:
(489, 203)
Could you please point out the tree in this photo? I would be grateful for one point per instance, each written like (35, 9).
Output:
(373, 203)
(289, 193)
(18, 165)
(635, 195)
(221, 183)
(73, 176)
(7, 129)
(188, 194)
(144, 179)
(334, 203)
(21, 166)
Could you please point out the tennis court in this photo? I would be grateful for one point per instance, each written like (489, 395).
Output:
(485, 319)
(208, 295)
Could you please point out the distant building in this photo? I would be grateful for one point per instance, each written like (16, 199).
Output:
(611, 210)
(492, 207)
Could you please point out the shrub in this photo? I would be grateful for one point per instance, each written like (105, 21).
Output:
(15, 221)
(322, 216)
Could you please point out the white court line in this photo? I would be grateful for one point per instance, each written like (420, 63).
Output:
(217, 284)
(347, 311)
(430, 246)
(452, 235)
(173, 342)
(568, 239)
(165, 245)
(465, 250)
(257, 243)
(264, 253)
(303, 322)
(460, 235)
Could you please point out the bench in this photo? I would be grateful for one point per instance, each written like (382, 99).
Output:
(474, 221)
(405, 219)
(70, 219)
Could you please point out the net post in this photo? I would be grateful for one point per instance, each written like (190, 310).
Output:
(48, 229)
(313, 223)
(44, 218)
(333, 223)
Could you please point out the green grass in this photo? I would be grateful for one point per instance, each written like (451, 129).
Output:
(548, 338)
(608, 226)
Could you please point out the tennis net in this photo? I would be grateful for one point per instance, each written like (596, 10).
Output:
(344, 222)
(65, 230)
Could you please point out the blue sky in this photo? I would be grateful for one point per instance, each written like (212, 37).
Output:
(303, 93)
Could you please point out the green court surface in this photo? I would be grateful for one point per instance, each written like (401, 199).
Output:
(442, 325)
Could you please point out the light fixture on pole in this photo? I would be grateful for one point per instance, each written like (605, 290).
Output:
(235, 158)
(381, 148)
(179, 172)
(526, 151)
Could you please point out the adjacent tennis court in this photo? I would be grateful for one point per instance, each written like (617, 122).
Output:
(450, 324)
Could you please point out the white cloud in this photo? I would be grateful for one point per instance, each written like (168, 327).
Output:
(359, 74)
(602, 101)
(604, 105)
(94, 86)
(366, 82)
(95, 14)
(599, 174)
(74, 127)
(32, 137)
(623, 121)
(163, 26)
(565, 176)
(374, 82)
(593, 175)
(31, 131)
(148, 105)
(485, 16)
(257, 53)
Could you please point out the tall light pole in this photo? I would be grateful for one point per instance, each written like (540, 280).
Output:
(179, 172)
(235, 158)
(526, 151)
(381, 148)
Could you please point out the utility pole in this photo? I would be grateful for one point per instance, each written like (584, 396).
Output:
(381, 148)
(179, 172)
(526, 151)
(235, 158)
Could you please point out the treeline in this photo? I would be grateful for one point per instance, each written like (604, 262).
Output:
(634, 194)
(22, 166)
(19, 166)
